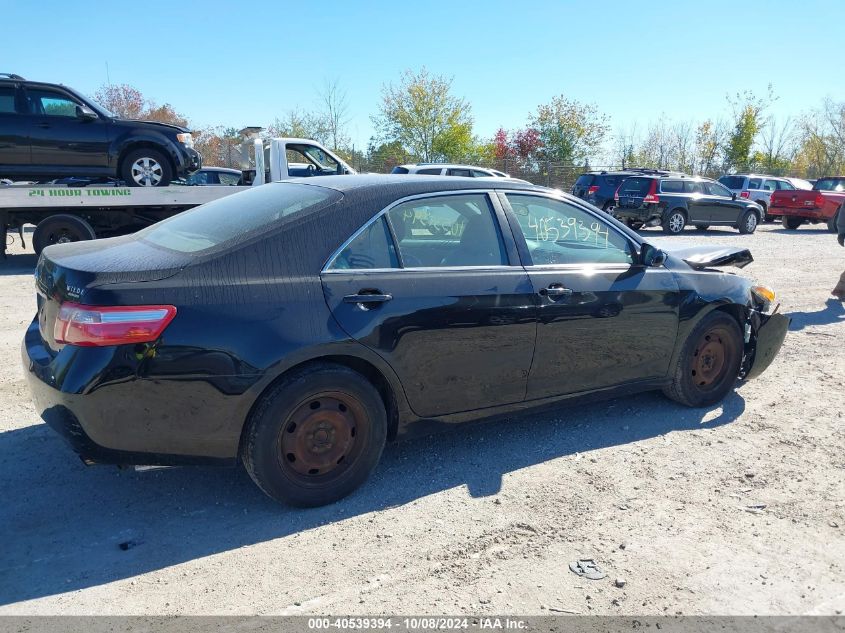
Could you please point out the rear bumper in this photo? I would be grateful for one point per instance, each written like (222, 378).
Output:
(769, 339)
(94, 398)
(640, 214)
(809, 214)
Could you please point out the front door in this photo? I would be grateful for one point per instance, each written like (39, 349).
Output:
(725, 209)
(61, 141)
(430, 287)
(603, 319)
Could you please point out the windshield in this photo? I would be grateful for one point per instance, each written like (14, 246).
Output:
(830, 184)
(237, 218)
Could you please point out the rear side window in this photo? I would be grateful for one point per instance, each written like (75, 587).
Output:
(458, 230)
(237, 218)
(690, 186)
(372, 248)
(635, 186)
(754, 183)
(7, 99)
(435, 171)
(612, 181)
(399, 170)
(460, 172)
(672, 186)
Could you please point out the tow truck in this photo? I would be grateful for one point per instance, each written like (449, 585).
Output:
(70, 213)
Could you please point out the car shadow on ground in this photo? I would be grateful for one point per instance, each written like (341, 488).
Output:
(18, 264)
(833, 312)
(813, 229)
(69, 527)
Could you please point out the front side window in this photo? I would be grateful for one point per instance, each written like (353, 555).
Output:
(784, 185)
(372, 248)
(770, 185)
(480, 174)
(50, 103)
(715, 189)
(443, 231)
(557, 232)
(309, 160)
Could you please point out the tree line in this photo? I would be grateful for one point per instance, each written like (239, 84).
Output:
(420, 119)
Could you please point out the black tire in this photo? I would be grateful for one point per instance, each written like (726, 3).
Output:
(702, 227)
(675, 222)
(791, 223)
(283, 427)
(146, 165)
(831, 223)
(748, 222)
(608, 207)
(716, 340)
(634, 225)
(60, 229)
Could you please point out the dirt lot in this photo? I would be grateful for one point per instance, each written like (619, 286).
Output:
(738, 509)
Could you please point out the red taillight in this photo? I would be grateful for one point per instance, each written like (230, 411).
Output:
(592, 189)
(90, 326)
(819, 200)
(616, 194)
(744, 194)
(652, 196)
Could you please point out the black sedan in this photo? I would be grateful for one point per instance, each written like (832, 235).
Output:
(296, 327)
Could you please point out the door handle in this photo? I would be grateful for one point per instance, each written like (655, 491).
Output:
(556, 290)
(367, 297)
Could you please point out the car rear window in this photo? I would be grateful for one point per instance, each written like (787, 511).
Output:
(830, 184)
(733, 182)
(584, 180)
(672, 186)
(237, 218)
(635, 186)
(399, 170)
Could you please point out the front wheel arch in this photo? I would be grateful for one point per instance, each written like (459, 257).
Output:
(135, 145)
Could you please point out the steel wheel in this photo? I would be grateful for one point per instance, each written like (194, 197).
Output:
(710, 358)
(146, 172)
(320, 438)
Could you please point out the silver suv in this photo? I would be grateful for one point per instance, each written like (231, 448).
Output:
(759, 188)
(447, 169)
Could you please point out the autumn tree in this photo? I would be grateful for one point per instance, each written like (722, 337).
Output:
(127, 102)
(569, 131)
(424, 117)
(747, 121)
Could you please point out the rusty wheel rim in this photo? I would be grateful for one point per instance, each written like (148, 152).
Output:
(710, 358)
(322, 435)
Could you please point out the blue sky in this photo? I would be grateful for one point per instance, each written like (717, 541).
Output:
(244, 63)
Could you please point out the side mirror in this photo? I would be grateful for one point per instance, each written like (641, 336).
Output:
(85, 113)
(651, 256)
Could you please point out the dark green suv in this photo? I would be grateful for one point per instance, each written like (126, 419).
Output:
(674, 201)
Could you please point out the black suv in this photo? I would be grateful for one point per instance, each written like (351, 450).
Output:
(51, 131)
(598, 187)
(674, 201)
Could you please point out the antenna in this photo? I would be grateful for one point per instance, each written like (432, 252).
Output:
(108, 78)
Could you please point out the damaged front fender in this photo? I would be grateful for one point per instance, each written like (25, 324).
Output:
(767, 334)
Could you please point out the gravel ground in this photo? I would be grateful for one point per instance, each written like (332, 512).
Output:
(738, 509)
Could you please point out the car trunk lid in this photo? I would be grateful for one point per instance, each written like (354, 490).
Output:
(797, 199)
(66, 272)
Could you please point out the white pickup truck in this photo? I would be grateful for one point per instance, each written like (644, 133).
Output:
(66, 213)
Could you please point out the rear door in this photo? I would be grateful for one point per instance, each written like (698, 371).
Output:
(603, 319)
(60, 140)
(433, 288)
(14, 132)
